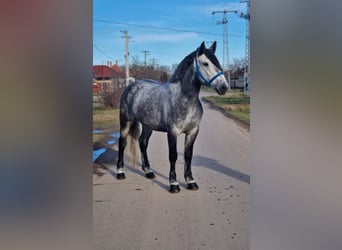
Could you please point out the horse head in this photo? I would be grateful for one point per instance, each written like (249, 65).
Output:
(209, 70)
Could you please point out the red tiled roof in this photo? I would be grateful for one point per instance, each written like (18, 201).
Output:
(105, 71)
(117, 69)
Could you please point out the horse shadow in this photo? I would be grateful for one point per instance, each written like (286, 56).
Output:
(107, 157)
(212, 164)
(110, 156)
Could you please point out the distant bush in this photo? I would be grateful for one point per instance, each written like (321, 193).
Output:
(112, 98)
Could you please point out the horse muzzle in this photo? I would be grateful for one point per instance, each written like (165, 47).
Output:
(221, 89)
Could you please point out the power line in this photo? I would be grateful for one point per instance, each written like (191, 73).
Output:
(99, 50)
(161, 28)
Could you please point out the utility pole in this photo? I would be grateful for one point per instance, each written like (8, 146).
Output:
(126, 54)
(247, 17)
(225, 57)
(145, 54)
(153, 62)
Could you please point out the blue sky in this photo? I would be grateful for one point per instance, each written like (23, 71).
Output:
(157, 26)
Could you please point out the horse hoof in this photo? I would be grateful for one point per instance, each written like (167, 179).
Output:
(150, 175)
(174, 189)
(192, 186)
(120, 176)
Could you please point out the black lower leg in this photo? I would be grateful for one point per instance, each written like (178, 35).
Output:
(143, 142)
(191, 183)
(188, 151)
(174, 185)
(120, 163)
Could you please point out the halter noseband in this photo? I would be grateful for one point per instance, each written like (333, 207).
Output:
(201, 76)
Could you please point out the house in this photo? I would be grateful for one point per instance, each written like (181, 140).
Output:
(237, 78)
(107, 78)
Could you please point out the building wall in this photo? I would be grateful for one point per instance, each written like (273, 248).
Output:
(109, 85)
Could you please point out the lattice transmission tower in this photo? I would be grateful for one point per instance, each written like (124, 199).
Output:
(225, 47)
(247, 47)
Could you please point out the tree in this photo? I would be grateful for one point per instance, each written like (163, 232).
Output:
(139, 71)
(173, 67)
(238, 63)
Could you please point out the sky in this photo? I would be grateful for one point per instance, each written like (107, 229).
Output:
(169, 30)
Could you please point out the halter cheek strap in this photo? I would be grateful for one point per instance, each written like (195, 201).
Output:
(201, 76)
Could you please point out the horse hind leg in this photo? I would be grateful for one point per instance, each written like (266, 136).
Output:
(124, 130)
(143, 143)
(134, 133)
(131, 129)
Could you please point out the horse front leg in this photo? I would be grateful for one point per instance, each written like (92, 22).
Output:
(172, 141)
(188, 150)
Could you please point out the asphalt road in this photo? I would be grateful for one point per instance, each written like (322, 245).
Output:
(138, 213)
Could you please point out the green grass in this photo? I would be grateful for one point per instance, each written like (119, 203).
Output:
(234, 104)
(104, 118)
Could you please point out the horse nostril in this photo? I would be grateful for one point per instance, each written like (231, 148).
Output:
(223, 88)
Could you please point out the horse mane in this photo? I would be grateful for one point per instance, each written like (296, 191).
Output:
(186, 63)
(182, 68)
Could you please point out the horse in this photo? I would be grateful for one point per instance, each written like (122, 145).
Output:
(173, 107)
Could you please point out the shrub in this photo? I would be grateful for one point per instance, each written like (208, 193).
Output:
(112, 98)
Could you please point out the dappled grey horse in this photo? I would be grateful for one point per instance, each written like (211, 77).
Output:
(174, 108)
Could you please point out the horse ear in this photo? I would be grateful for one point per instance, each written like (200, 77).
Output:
(201, 49)
(213, 47)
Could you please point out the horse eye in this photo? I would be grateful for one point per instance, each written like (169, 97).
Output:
(205, 64)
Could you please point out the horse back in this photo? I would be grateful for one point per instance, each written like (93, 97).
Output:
(160, 106)
(144, 101)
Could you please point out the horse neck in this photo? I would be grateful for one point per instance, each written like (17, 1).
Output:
(186, 77)
(190, 83)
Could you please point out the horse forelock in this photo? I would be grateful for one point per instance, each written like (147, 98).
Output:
(211, 56)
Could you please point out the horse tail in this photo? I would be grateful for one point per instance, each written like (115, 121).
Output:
(134, 133)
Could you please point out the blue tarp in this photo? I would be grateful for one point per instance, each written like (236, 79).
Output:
(97, 153)
(115, 134)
